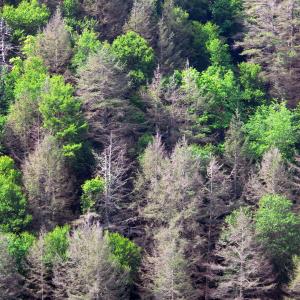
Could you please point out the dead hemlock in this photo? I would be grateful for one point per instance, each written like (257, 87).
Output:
(5, 45)
(88, 219)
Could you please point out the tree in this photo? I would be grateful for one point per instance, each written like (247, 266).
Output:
(5, 43)
(23, 121)
(174, 34)
(136, 54)
(143, 20)
(113, 167)
(101, 78)
(61, 114)
(92, 192)
(246, 272)
(10, 279)
(167, 268)
(13, 204)
(54, 44)
(86, 44)
(37, 284)
(271, 126)
(49, 184)
(226, 14)
(26, 18)
(109, 19)
(235, 153)
(91, 271)
(272, 178)
(277, 228)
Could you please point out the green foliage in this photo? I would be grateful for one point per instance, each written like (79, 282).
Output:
(56, 244)
(143, 142)
(225, 13)
(135, 52)
(221, 96)
(19, 245)
(126, 253)
(92, 190)
(85, 44)
(218, 51)
(61, 114)
(13, 215)
(70, 8)
(29, 77)
(203, 153)
(26, 18)
(278, 228)
(271, 126)
(253, 91)
(6, 89)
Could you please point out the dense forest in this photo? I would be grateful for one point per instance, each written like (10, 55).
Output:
(149, 149)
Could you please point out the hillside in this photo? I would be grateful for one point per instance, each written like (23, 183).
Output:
(149, 149)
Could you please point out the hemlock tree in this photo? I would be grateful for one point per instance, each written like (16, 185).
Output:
(246, 271)
(10, 279)
(54, 44)
(143, 20)
(13, 204)
(91, 271)
(277, 228)
(271, 178)
(49, 184)
(168, 268)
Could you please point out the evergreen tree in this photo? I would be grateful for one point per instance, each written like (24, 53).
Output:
(54, 45)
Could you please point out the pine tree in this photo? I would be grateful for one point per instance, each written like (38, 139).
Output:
(54, 44)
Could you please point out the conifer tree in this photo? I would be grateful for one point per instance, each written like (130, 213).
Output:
(54, 44)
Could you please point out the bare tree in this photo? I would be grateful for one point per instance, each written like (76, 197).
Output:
(49, 184)
(5, 44)
(38, 279)
(167, 275)
(216, 205)
(113, 167)
(54, 44)
(89, 271)
(235, 154)
(10, 279)
(272, 178)
(247, 273)
(143, 20)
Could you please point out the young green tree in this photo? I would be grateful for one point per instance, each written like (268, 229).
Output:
(277, 227)
(13, 204)
(271, 126)
(136, 54)
(54, 44)
(61, 114)
(26, 18)
(86, 43)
